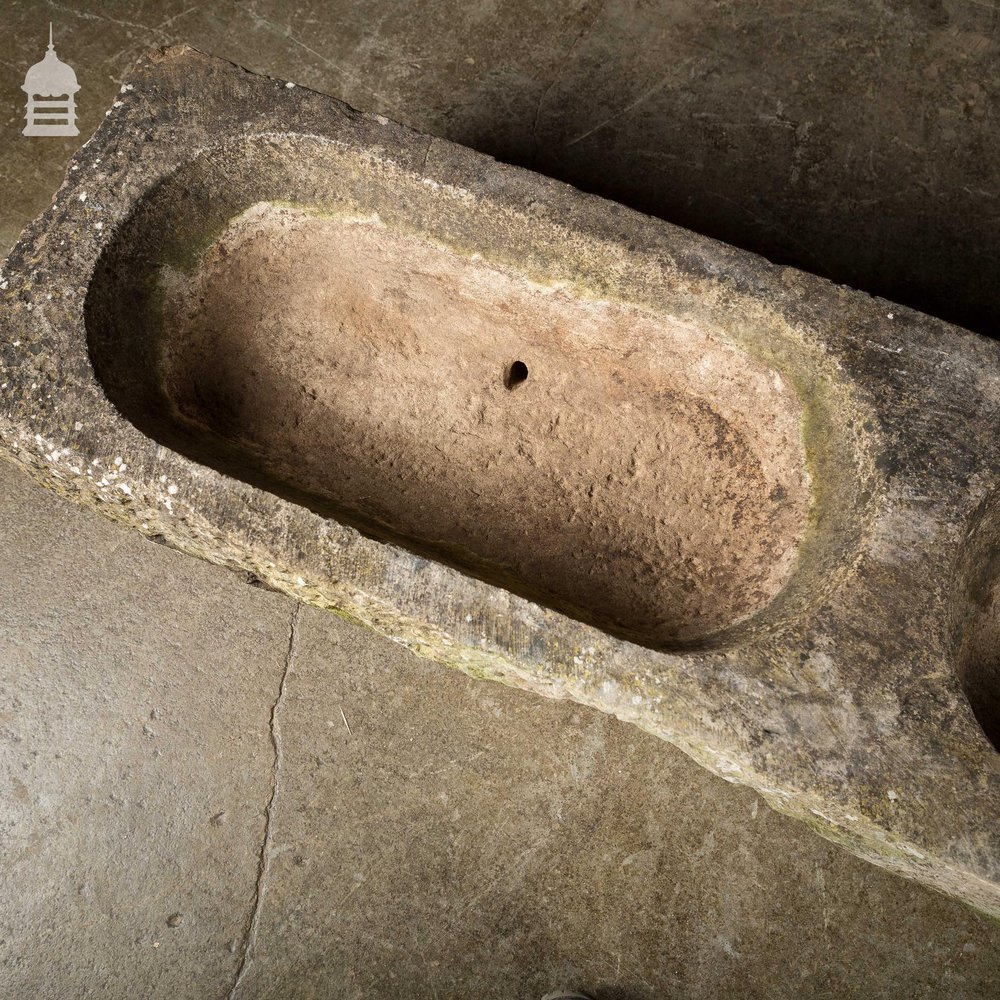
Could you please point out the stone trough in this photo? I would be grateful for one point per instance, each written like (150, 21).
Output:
(536, 436)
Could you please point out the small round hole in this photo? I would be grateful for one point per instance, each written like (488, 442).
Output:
(516, 374)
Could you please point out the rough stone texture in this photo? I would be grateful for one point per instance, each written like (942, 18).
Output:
(841, 701)
(812, 921)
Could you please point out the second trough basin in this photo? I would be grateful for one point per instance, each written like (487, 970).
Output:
(535, 436)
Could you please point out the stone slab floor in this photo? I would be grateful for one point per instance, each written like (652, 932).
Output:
(211, 792)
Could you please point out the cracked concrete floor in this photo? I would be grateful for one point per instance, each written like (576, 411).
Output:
(324, 815)
(206, 785)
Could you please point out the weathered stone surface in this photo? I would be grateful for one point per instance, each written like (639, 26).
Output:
(839, 697)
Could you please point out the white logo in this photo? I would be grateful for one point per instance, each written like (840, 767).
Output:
(51, 78)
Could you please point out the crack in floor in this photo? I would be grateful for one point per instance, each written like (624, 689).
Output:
(264, 859)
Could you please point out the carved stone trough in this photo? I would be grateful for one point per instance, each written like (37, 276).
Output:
(535, 436)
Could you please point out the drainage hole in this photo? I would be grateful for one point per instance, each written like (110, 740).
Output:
(516, 374)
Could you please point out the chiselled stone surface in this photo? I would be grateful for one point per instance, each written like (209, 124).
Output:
(826, 493)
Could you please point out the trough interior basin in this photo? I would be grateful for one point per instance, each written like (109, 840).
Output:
(637, 472)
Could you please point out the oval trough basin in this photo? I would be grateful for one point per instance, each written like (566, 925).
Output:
(637, 472)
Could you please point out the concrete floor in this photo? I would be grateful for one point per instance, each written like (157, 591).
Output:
(213, 792)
